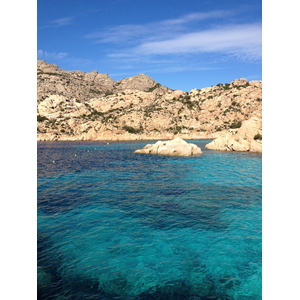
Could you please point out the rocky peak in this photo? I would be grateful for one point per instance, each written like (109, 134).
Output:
(45, 67)
(241, 82)
(139, 82)
(54, 81)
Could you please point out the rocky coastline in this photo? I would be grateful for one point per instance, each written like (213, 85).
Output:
(79, 106)
(247, 138)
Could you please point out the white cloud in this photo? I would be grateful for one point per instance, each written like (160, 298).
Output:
(236, 39)
(120, 33)
(153, 31)
(59, 22)
(164, 69)
(76, 62)
(243, 42)
(62, 22)
(189, 34)
(199, 41)
(198, 16)
(53, 55)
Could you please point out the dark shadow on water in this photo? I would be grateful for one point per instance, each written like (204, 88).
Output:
(87, 288)
(160, 209)
(176, 192)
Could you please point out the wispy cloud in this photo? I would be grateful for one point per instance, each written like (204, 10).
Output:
(153, 31)
(176, 69)
(196, 17)
(59, 22)
(63, 57)
(165, 69)
(195, 33)
(51, 55)
(230, 39)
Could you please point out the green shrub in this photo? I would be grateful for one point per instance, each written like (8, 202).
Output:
(41, 119)
(54, 74)
(93, 115)
(131, 129)
(258, 136)
(225, 112)
(242, 86)
(189, 104)
(154, 87)
(236, 124)
(95, 92)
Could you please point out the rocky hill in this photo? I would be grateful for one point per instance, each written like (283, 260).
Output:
(74, 105)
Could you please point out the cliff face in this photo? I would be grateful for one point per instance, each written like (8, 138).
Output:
(74, 105)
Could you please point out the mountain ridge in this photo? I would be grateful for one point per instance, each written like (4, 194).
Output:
(75, 105)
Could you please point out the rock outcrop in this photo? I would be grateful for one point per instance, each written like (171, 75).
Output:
(74, 105)
(247, 138)
(52, 80)
(175, 147)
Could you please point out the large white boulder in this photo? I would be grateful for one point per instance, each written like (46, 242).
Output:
(175, 147)
(241, 139)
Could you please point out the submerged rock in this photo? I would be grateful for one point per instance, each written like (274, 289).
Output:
(175, 147)
(43, 277)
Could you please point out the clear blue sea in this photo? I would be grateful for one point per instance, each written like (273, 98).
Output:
(113, 224)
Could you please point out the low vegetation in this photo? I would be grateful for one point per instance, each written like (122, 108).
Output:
(41, 118)
(154, 87)
(235, 125)
(258, 136)
(132, 129)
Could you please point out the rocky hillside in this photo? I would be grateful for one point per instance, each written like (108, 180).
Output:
(74, 105)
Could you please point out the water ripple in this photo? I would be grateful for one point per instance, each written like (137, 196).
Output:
(116, 225)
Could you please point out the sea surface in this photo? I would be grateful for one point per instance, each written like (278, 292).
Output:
(114, 224)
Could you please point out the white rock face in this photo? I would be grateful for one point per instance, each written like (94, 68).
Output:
(241, 139)
(175, 147)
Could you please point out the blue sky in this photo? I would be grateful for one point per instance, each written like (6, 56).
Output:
(181, 44)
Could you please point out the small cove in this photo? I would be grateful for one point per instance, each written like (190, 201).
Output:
(113, 224)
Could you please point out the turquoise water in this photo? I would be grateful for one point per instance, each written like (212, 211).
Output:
(113, 224)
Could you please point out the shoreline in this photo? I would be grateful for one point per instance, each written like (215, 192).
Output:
(128, 137)
(115, 141)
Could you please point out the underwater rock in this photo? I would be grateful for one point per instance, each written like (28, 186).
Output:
(175, 147)
(116, 285)
(43, 278)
